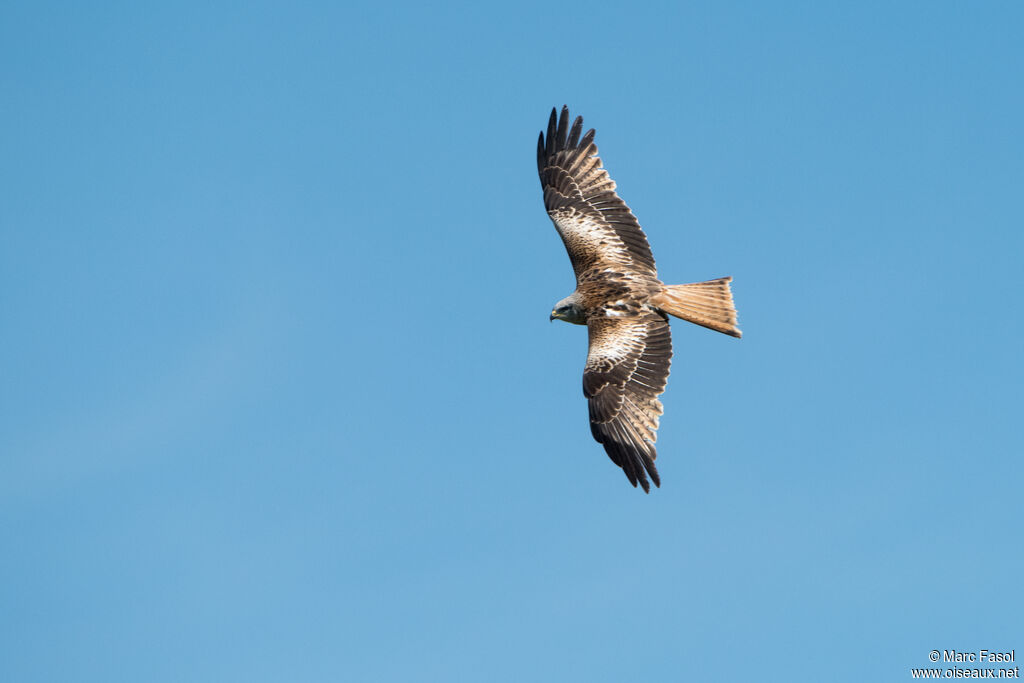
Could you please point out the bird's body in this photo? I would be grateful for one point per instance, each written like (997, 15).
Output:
(619, 298)
(607, 293)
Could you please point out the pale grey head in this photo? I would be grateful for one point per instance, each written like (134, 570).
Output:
(569, 310)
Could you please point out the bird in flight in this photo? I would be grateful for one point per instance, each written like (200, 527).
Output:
(618, 297)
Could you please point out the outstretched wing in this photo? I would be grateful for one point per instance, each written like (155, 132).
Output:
(627, 369)
(597, 227)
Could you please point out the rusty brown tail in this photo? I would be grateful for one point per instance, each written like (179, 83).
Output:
(706, 303)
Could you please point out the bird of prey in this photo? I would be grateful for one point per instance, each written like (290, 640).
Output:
(618, 297)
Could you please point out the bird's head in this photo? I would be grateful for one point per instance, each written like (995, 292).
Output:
(569, 310)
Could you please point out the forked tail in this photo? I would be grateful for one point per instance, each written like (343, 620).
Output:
(708, 304)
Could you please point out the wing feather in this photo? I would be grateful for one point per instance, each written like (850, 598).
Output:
(597, 227)
(627, 369)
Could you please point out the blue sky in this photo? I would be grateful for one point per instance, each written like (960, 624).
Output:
(280, 398)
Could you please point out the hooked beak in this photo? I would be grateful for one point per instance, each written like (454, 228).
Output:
(553, 316)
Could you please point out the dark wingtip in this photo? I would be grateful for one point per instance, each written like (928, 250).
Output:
(560, 135)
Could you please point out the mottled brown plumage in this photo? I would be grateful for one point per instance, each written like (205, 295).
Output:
(618, 297)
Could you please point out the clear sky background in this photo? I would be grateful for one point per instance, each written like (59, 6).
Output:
(279, 397)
